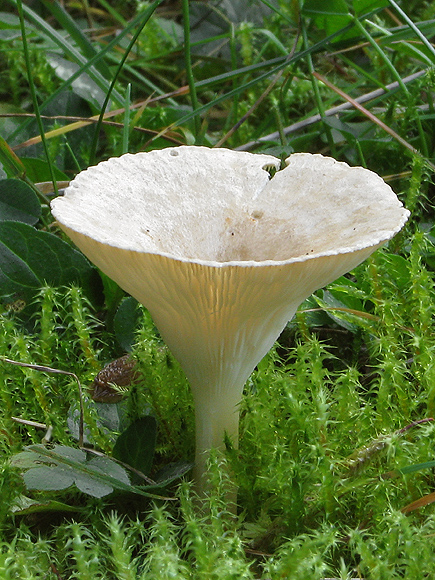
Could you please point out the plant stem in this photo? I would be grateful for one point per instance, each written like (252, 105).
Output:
(188, 63)
(33, 93)
(146, 16)
(126, 128)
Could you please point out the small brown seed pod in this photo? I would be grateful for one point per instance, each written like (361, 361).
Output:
(113, 380)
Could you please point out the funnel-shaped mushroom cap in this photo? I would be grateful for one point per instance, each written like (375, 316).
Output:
(220, 252)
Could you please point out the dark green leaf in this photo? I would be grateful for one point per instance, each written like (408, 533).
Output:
(67, 466)
(72, 27)
(331, 8)
(365, 6)
(37, 170)
(136, 445)
(348, 131)
(330, 16)
(30, 258)
(60, 467)
(172, 472)
(398, 270)
(12, 164)
(347, 293)
(104, 465)
(331, 301)
(126, 321)
(18, 202)
(110, 418)
(316, 318)
(51, 478)
(113, 294)
(84, 86)
(416, 467)
(24, 505)
(345, 304)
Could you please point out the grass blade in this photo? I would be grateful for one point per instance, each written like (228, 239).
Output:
(85, 67)
(69, 50)
(10, 161)
(390, 88)
(33, 93)
(146, 15)
(126, 128)
(69, 25)
(415, 28)
(188, 64)
(374, 119)
(278, 64)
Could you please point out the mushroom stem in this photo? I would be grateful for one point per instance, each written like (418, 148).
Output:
(219, 342)
(215, 416)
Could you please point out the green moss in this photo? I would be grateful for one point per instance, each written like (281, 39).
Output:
(332, 414)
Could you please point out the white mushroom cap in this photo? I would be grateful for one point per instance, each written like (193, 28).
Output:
(220, 253)
(220, 207)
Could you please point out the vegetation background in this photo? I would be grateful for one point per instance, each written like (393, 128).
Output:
(336, 461)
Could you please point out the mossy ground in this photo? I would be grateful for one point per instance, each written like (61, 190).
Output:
(326, 420)
(335, 463)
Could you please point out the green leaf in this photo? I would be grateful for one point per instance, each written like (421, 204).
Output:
(136, 445)
(330, 16)
(67, 47)
(113, 294)
(66, 466)
(398, 271)
(12, 164)
(125, 322)
(38, 170)
(171, 473)
(345, 304)
(61, 467)
(351, 131)
(330, 8)
(71, 26)
(413, 468)
(110, 418)
(52, 478)
(365, 6)
(30, 259)
(18, 202)
(316, 318)
(24, 505)
(330, 300)
(348, 293)
(83, 86)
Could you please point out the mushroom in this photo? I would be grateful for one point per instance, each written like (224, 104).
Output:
(222, 247)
